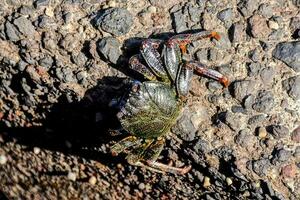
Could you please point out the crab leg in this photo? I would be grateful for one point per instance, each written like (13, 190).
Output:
(172, 54)
(136, 65)
(150, 155)
(124, 144)
(152, 57)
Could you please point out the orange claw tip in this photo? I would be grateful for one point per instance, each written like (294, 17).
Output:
(215, 35)
(224, 81)
(113, 153)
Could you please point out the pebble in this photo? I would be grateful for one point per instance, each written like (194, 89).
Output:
(206, 182)
(281, 156)
(25, 26)
(245, 139)
(266, 10)
(295, 23)
(116, 21)
(92, 180)
(261, 166)
(3, 159)
(226, 16)
(243, 88)
(273, 25)
(289, 171)
(295, 136)
(267, 75)
(289, 53)
(202, 146)
(237, 32)
(258, 27)
(292, 86)
(41, 3)
(179, 20)
(109, 48)
(247, 7)
(262, 132)
(264, 101)
(185, 128)
(152, 9)
(253, 68)
(279, 131)
(72, 176)
(228, 181)
(296, 3)
(234, 121)
(11, 32)
(36, 150)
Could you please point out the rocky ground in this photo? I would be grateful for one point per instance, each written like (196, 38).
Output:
(61, 63)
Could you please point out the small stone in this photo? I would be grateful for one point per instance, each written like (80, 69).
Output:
(116, 21)
(243, 88)
(262, 132)
(25, 26)
(228, 181)
(254, 55)
(295, 23)
(247, 7)
(292, 86)
(109, 47)
(296, 135)
(237, 32)
(296, 3)
(185, 128)
(92, 180)
(41, 3)
(179, 20)
(72, 176)
(279, 131)
(112, 3)
(259, 27)
(11, 32)
(36, 150)
(245, 139)
(3, 159)
(267, 75)
(234, 121)
(289, 171)
(152, 9)
(264, 101)
(226, 16)
(141, 186)
(273, 25)
(289, 53)
(266, 10)
(261, 166)
(281, 156)
(206, 182)
(202, 146)
(256, 119)
(254, 68)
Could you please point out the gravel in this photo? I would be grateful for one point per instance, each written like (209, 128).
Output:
(61, 64)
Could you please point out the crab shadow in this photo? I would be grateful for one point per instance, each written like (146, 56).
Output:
(79, 128)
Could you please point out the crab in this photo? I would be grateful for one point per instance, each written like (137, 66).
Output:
(149, 108)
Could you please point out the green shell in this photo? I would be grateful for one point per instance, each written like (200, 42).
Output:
(151, 111)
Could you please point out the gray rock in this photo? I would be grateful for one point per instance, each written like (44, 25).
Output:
(254, 55)
(109, 48)
(279, 131)
(179, 21)
(267, 75)
(40, 3)
(256, 119)
(258, 27)
(184, 128)
(253, 68)
(65, 74)
(46, 62)
(266, 10)
(25, 26)
(264, 101)
(247, 7)
(261, 166)
(234, 121)
(245, 139)
(116, 21)
(289, 53)
(202, 146)
(226, 17)
(243, 88)
(292, 86)
(11, 32)
(237, 32)
(295, 24)
(281, 156)
(194, 12)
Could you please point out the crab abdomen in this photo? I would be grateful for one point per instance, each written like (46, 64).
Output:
(151, 110)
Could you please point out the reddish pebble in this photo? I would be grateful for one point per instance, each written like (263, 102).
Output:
(289, 171)
(296, 135)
